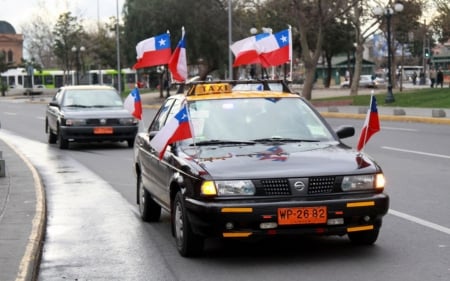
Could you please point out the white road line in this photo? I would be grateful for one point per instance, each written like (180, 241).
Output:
(399, 129)
(9, 113)
(417, 152)
(420, 221)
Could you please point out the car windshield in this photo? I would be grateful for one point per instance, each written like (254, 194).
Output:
(92, 98)
(252, 120)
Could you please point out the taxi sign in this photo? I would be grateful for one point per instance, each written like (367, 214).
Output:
(217, 88)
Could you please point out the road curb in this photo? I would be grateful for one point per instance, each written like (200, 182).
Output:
(383, 117)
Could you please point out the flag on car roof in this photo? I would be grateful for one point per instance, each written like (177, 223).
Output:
(176, 129)
(153, 51)
(371, 124)
(178, 62)
(133, 103)
(245, 50)
(275, 49)
(266, 49)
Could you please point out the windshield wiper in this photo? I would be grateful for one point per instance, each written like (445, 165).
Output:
(280, 139)
(76, 105)
(220, 142)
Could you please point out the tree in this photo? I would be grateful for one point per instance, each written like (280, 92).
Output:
(441, 24)
(68, 32)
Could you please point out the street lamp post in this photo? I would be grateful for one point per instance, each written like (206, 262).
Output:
(78, 52)
(388, 12)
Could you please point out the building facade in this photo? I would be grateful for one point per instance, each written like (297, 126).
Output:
(11, 44)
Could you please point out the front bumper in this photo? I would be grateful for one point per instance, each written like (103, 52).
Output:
(245, 219)
(86, 133)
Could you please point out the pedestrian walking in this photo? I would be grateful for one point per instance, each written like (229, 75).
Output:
(414, 78)
(440, 78)
(432, 77)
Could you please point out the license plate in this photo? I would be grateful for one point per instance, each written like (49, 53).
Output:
(302, 215)
(103, 130)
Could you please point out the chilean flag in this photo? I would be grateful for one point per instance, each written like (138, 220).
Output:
(371, 124)
(245, 50)
(275, 49)
(133, 104)
(153, 51)
(178, 62)
(176, 129)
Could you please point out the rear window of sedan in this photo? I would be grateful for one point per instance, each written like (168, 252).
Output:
(92, 98)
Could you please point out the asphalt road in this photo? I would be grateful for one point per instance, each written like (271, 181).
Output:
(94, 232)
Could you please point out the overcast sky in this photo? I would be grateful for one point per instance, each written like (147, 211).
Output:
(18, 12)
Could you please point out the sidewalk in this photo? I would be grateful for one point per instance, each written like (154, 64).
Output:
(22, 217)
(22, 199)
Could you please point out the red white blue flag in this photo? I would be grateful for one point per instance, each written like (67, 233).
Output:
(371, 124)
(275, 49)
(133, 104)
(266, 49)
(178, 62)
(176, 129)
(153, 51)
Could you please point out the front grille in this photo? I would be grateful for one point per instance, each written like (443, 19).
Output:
(109, 122)
(273, 187)
(281, 186)
(320, 185)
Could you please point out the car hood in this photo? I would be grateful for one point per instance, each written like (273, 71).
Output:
(284, 160)
(94, 112)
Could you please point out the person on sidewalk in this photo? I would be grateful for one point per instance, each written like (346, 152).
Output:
(440, 78)
(432, 77)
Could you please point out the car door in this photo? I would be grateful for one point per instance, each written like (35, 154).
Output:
(53, 110)
(155, 172)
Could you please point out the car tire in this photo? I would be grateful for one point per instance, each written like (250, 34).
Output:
(364, 237)
(130, 143)
(62, 143)
(188, 243)
(52, 138)
(149, 210)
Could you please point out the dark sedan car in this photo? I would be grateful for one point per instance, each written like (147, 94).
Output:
(88, 114)
(260, 163)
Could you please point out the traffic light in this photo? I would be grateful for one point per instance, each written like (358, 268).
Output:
(427, 53)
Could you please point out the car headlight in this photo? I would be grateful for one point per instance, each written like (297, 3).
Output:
(228, 188)
(75, 122)
(128, 121)
(363, 182)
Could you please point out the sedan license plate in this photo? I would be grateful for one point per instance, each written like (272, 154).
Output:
(302, 215)
(103, 130)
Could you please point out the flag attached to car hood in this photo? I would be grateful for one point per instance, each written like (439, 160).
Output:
(178, 62)
(176, 129)
(153, 51)
(371, 124)
(133, 104)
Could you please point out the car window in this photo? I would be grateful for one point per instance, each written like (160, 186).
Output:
(92, 98)
(161, 116)
(256, 118)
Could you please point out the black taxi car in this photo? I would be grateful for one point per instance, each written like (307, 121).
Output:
(261, 162)
(92, 113)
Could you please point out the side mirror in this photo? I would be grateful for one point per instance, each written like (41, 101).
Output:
(345, 132)
(53, 103)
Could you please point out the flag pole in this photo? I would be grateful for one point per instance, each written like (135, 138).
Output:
(290, 53)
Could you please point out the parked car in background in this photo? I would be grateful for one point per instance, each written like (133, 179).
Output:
(258, 161)
(88, 114)
(365, 81)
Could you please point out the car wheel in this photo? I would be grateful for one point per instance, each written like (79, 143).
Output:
(130, 143)
(188, 243)
(63, 143)
(364, 237)
(52, 138)
(149, 210)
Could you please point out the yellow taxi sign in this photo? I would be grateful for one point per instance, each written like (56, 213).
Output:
(207, 89)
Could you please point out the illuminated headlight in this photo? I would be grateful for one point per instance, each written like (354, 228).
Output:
(228, 188)
(128, 121)
(75, 122)
(359, 182)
